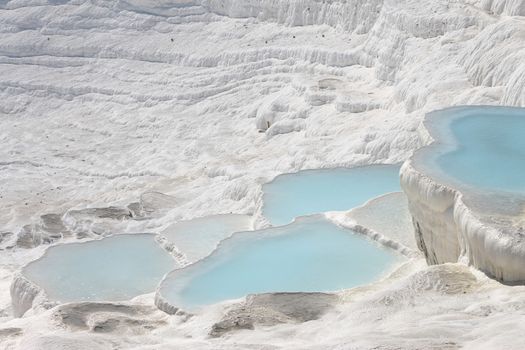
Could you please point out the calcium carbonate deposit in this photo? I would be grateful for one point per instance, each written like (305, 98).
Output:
(465, 191)
(141, 116)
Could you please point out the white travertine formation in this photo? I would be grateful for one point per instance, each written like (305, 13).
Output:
(507, 7)
(447, 230)
(105, 102)
(23, 294)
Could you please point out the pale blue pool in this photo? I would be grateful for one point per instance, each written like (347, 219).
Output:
(198, 237)
(309, 255)
(486, 146)
(115, 268)
(315, 191)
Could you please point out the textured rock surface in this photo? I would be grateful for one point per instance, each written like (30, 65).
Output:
(23, 293)
(274, 308)
(106, 317)
(104, 101)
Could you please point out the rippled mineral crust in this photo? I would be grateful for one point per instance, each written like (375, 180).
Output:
(162, 107)
(456, 222)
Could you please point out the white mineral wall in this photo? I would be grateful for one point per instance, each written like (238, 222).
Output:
(448, 231)
(345, 15)
(486, 59)
(23, 293)
(164, 305)
(507, 7)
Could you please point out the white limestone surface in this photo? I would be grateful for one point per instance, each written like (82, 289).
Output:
(105, 102)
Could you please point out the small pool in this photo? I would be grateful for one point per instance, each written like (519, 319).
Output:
(309, 255)
(482, 146)
(390, 216)
(478, 153)
(315, 191)
(115, 268)
(197, 238)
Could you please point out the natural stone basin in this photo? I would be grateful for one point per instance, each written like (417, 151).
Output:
(466, 190)
(315, 191)
(308, 255)
(479, 148)
(389, 216)
(198, 237)
(115, 268)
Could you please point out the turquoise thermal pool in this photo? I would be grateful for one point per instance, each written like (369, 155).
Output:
(309, 255)
(466, 190)
(479, 148)
(315, 191)
(115, 268)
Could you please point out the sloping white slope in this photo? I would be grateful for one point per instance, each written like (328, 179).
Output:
(102, 101)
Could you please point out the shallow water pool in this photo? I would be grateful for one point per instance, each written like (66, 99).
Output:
(197, 238)
(485, 147)
(114, 268)
(309, 255)
(316, 191)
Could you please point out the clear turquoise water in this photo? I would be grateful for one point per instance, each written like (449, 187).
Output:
(316, 191)
(309, 255)
(490, 148)
(114, 268)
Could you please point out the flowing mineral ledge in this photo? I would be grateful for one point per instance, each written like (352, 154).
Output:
(23, 294)
(385, 219)
(448, 230)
